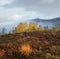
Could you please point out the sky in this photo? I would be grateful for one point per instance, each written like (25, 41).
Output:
(12, 11)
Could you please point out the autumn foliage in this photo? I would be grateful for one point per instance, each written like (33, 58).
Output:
(25, 49)
(30, 45)
(2, 52)
(25, 27)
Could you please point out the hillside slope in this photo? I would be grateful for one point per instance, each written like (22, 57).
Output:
(43, 44)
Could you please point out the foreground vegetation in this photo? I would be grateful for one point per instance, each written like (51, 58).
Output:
(30, 45)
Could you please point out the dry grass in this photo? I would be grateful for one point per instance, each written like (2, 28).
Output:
(25, 49)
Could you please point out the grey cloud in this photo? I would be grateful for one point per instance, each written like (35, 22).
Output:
(49, 8)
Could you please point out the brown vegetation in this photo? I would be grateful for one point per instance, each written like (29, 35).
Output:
(30, 45)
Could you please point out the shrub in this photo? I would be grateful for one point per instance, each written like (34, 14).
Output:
(2, 53)
(25, 49)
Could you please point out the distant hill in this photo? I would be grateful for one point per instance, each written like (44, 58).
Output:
(55, 22)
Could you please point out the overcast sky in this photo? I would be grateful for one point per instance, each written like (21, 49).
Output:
(20, 10)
